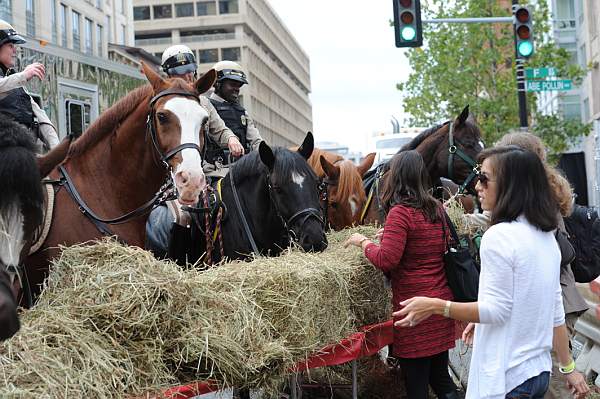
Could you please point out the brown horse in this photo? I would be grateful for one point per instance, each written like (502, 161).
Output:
(116, 168)
(342, 191)
(449, 150)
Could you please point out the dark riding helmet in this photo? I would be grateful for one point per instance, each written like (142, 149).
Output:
(178, 60)
(230, 70)
(8, 34)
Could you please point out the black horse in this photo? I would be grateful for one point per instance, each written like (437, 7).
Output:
(270, 199)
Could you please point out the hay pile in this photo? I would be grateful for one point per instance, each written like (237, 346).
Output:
(113, 321)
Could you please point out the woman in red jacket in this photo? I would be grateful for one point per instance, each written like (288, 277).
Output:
(411, 254)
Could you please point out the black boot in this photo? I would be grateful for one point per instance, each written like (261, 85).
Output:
(450, 395)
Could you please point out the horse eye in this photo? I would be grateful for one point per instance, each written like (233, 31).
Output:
(333, 205)
(162, 118)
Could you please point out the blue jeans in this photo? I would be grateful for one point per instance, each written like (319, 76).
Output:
(533, 388)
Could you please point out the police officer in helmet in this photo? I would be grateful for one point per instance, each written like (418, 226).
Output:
(14, 100)
(230, 78)
(179, 61)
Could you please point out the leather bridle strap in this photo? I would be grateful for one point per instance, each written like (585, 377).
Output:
(241, 214)
(165, 193)
(454, 149)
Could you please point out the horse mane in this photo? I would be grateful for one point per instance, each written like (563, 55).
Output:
(425, 134)
(109, 120)
(349, 182)
(315, 163)
(286, 162)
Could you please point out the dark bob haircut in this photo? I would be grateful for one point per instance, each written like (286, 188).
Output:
(522, 187)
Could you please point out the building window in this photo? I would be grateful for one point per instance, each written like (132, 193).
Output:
(109, 31)
(230, 54)
(53, 20)
(6, 10)
(88, 36)
(99, 4)
(206, 8)
(122, 34)
(208, 56)
(163, 11)
(63, 25)
(184, 10)
(141, 13)
(228, 6)
(76, 32)
(30, 17)
(99, 39)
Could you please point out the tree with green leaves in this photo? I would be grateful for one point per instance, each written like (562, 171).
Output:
(474, 64)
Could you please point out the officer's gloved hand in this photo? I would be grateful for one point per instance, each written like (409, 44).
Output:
(235, 147)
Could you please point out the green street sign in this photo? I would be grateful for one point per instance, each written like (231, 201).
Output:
(539, 73)
(548, 85)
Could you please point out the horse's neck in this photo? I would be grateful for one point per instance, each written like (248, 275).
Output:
(120, 172)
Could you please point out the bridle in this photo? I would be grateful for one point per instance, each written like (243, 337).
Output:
(453, 149)
(324, 185)
(167, 191)
(302, 215)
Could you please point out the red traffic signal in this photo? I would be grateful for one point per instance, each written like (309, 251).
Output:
(522, 15)
(406, 3)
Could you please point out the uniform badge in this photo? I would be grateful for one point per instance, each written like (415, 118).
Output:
(243, 119)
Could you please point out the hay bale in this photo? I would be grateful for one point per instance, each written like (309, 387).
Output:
(114, 321)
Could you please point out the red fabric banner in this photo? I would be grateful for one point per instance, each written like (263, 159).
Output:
(364, 343)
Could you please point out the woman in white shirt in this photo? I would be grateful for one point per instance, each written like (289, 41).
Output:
(519, 312)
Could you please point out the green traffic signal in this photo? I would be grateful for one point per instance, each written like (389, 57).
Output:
(525, 49)
(408, 33)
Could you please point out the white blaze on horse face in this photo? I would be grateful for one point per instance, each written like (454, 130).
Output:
(298, 178)
(353, 206)
(481, 144)
(11, 234)
(189, 177)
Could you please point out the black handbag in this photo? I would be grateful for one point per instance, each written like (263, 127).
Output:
(567, 252)
(462, 271)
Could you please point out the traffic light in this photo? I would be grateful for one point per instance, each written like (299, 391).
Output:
(407, 23)
(523, 31)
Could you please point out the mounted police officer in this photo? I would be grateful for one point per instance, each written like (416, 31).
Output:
(230, 78)
(179, 61)
(14, 100)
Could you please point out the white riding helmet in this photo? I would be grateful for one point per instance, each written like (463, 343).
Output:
(8, 34)
(178, 60)
(230, 70)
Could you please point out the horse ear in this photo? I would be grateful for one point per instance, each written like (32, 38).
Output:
(332, 171)
(205, 81)
(463, 116)
(366, 164)
(308, 145)
(153, 77)
(266, 155)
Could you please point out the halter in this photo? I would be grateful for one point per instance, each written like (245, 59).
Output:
(167, 191)
(303, 214)
(324, 198)
(454, 149)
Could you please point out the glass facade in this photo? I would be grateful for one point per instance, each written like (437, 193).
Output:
(6, 10)
(99, 40)
(30, 17)
(208, 56)
(88, 36)
(141, 13)
(184, 10)
(76, 31)
(163, 11)
(63, 25)
(231, 54)
(53, 21)
(228, 6)
(206, 8)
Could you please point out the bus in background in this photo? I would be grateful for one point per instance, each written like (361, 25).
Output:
(386, 145)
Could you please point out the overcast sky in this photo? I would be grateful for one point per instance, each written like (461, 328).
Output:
(354, 66)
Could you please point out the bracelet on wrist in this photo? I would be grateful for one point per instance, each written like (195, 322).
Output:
(360, 243)
(447, 309)
(568, 369)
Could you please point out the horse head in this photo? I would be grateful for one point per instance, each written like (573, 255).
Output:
(450, 150)
(176, 124)
(294, 193)
(345, 194)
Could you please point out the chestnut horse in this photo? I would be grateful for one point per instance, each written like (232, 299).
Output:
(342, 193)
(114, 172)
(449, 150)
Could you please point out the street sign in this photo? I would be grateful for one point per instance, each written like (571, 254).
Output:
(549, 85)
(539, 73)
